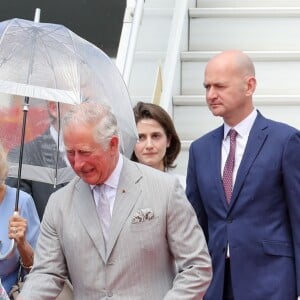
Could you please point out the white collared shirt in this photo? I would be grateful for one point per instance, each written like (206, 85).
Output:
(243, 130)
(111, 184)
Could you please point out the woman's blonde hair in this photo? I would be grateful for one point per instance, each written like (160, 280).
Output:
(3, 164)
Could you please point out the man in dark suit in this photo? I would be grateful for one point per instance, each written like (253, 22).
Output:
(250, 214)
(41, 152)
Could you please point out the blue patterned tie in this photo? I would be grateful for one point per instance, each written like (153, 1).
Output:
(229, 165)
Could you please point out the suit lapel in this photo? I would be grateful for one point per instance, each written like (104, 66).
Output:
(86, 208)
(256, 139)
(126, 197)
(215, 150)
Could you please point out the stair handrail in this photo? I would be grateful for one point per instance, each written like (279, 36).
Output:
(131, 24)
(173, 54)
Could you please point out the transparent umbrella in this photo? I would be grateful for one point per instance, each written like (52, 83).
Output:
(49, 62)
(42, 63)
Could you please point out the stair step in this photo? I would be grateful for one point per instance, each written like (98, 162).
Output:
(183, 157)
(154, 29)
(237, 12)
(159, 3)
(192, 117)
(247, 3)
(249, 29)
(144, 72)
(255, 55)
(182, 161)
(150, 49)
(271, 67)
(261, 100)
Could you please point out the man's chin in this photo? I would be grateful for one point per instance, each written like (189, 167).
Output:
(89, 179)
(217, 110)
(216, 113)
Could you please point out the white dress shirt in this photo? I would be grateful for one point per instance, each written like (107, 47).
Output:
(243, 129)
(111, 185)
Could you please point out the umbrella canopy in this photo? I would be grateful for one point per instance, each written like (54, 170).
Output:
(42, 61)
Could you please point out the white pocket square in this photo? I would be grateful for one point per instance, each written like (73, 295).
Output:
(142, 215)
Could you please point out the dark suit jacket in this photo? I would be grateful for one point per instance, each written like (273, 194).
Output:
(261, 224)
(39, 152)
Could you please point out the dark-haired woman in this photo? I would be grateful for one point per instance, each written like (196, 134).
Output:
(158, 145)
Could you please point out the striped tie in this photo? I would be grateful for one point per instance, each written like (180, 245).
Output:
(229, 165)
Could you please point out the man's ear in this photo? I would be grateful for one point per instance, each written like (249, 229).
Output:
(251, 86)
(114, 143)
(52, 109)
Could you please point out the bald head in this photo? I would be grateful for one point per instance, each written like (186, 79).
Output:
(234, 59)
(230, 83)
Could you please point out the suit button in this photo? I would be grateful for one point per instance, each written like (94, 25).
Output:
(109, 293)
(229, 220)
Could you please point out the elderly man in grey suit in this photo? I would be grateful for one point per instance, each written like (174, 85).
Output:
(122, 231)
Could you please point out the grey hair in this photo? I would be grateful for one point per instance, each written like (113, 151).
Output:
(92, 113)
(3, 165)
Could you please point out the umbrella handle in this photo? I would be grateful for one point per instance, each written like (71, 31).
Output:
(10, 250)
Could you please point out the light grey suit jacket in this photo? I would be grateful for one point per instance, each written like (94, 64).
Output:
(141, 257)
